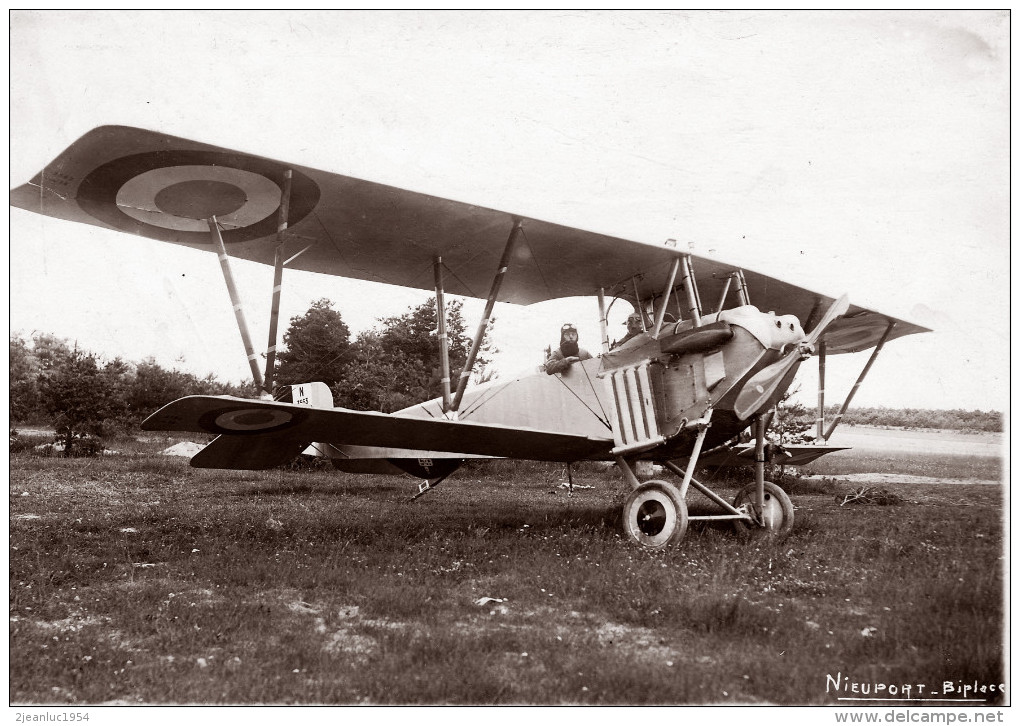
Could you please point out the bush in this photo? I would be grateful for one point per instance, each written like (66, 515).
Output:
(55, 384)
(921, 418)
(22, 443)
(84, 445)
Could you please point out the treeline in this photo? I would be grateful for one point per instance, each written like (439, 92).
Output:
(390, 367)
(921, 418)
(86, 398)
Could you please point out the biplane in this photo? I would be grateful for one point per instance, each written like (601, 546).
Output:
(719, 344)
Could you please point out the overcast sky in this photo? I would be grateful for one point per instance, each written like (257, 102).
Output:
(859, 152)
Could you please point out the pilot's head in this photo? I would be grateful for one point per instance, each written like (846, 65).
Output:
(634, 323)
(568, 340)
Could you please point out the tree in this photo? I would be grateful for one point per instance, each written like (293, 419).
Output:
(369, 381)
(153, 386)
(53, 383)
(411, 342)
(49, 351)
(415, 334)
(83, 398)
(483, 373)
(398, 364)
(29, 361)
(317, 347)
(24, 393)
(793, 424)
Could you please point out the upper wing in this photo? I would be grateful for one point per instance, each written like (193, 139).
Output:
(291, 427)
(164, 187)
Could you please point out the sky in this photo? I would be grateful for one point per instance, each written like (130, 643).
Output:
(861, 151)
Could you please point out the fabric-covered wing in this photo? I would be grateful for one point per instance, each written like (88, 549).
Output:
(164, 187)
(788, 455)
(242, 423)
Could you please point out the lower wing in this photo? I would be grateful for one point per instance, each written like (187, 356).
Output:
(785, 454)
(262, 434)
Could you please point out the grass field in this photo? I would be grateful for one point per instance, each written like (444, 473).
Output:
(136, 579)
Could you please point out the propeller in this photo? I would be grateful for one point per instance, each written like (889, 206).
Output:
(763, 384)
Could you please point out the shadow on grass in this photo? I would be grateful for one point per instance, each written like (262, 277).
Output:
(320, 489)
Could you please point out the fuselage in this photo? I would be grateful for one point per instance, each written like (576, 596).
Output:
(690, 371)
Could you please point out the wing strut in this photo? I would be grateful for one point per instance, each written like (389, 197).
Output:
(603, 320)
(737, 275)
(725, 292)
(821, 391)
(661, 314)
(692, 292)
(638, 305)
(274, 313)
(860, 380)
(444, 343)
(745, 299)
(497, 281)
(235, 300)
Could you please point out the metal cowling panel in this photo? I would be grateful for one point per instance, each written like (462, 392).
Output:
(634, 417)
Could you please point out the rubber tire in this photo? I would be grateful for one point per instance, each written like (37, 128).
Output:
(778, 511)
(655, 515)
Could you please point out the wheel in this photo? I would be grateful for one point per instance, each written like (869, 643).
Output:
(777, 516)
(655, 515)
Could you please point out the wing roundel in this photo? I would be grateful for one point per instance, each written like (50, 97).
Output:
(165, 188)
(169, 195)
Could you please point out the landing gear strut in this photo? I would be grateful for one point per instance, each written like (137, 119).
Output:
(769, 507)
(655, 513)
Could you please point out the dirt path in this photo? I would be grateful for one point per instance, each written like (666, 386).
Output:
(922, 442)
(879, 478)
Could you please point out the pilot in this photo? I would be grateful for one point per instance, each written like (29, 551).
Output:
(568, 353)
(633, 329)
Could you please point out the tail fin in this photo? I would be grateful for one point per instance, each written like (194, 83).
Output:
(313, 395)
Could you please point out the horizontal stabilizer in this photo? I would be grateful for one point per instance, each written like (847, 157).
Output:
(241, 419)
(247, 452)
